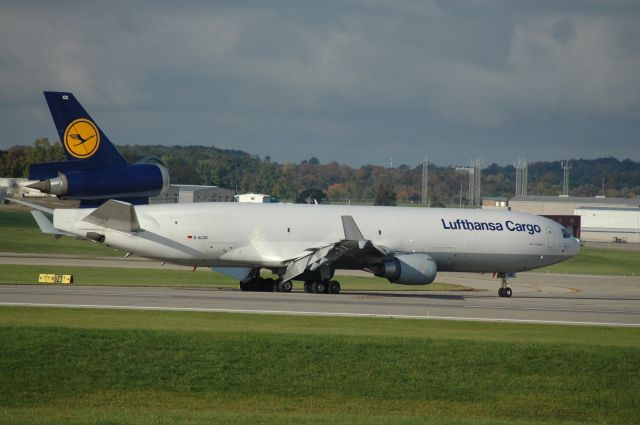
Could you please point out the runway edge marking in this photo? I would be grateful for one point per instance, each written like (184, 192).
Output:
(318, 313)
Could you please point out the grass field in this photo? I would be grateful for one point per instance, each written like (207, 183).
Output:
(28, 274)
(612, 262)
(74, 366)
(19, 233)
(105, 367)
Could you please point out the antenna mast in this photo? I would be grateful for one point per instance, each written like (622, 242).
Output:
(425, 181)
(521, 176)
(566, 166)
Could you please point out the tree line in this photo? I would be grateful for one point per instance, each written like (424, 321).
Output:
(332, 182)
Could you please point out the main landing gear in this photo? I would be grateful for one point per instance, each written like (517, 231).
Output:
(504, 290)
(322, 287)
(260, 284)
(283, 286)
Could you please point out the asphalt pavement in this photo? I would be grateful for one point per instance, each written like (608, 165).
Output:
(537, 297)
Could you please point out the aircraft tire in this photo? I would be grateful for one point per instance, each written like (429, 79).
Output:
(334, 287)
(244, 286)
(278, 286)
(319, 287)
(268, 285)
(507, 292)
(501, 292)
(308, 287)
(286, 286)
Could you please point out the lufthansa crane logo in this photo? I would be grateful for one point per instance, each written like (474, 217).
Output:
(82, 138)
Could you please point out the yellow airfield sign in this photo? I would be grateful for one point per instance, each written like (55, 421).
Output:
(52, 279)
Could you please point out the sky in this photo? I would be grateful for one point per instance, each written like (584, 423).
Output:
(357, 82)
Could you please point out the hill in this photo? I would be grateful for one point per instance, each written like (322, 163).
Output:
(249, 173)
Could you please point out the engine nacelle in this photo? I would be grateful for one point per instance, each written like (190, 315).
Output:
(130, 181)
(408, 269)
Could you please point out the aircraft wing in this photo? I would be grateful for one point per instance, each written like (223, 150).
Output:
(354, 249)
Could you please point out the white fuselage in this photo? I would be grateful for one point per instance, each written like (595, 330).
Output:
(270, 235)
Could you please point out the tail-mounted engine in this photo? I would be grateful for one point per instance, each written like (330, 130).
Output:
(135, 180)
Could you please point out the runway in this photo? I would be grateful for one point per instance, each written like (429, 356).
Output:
(613, 303)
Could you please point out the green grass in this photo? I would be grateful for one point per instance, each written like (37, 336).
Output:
(112, 276)
(27, 274)
(19, 233)
(611, 262)
(104, 366)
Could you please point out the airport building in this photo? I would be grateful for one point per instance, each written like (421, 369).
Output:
(257, 198)
(604, 224)
(188, 193)
(597, 219)
(495, 202)
(566, 205)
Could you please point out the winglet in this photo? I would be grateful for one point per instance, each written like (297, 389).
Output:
(116, 215)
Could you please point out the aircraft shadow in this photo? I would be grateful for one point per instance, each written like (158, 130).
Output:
(406, 295)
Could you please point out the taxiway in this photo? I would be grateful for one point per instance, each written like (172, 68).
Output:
(592, 303)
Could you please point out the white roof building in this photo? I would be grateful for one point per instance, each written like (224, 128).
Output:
(258, 198)
(606, 224)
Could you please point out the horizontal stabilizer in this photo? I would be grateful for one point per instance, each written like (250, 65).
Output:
(116, 215)
(31, 205)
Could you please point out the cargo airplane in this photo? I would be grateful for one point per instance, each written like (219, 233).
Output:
(407, 246)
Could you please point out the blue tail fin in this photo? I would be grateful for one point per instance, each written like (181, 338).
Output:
(94, 170)
(80, 136)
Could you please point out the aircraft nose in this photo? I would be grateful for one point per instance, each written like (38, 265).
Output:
(575, 242)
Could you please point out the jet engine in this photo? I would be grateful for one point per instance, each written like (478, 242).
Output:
(408, 269)
(130, 181)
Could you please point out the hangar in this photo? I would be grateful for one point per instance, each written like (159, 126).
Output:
(592, 219)
(566, 205)
(186, 193)
(604, 224)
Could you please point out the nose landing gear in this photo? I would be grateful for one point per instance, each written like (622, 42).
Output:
(504, 290)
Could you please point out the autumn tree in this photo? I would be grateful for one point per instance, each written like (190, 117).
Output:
(384, 194)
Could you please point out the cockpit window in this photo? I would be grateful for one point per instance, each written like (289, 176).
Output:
(565, 234)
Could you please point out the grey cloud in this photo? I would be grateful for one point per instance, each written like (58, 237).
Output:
(564, 30)
(351, 81)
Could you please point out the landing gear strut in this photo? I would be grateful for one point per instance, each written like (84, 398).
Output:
(504, 290)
